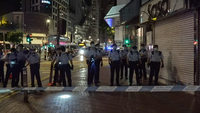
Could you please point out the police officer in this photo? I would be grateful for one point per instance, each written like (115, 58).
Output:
(65, 67)
(124, 62)
(34, 62)
(98, 62)
(92, 54)
(154, 63)
(56, 65)
(21, 59)
(144, 56)
(11, 59)
(133, 60)
(1, 66)
(114, 60)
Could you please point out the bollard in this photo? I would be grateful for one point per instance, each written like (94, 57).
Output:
(25, 84)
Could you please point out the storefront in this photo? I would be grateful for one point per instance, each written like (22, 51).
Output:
(169, 24)
(129, 18)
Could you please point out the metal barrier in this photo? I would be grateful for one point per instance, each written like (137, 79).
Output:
(25, 84)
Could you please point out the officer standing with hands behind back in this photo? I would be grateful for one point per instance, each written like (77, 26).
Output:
(133, 60)
(98, 62)
(64, 66)
(34, 62)
(114, 60)
(144, 56)
(154, 63)
(124, 62)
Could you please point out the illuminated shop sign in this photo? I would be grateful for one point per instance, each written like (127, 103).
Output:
(46, 1)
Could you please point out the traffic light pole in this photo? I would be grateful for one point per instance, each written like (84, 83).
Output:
(58, 26)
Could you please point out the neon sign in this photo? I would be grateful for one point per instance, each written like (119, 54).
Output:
(46, 1)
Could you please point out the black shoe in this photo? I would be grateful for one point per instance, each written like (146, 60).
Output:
(53, 85)
(139, 84)
(130, 84)
(149, 84)
(89, 85)
(145, 78)
(70, 85)
(111, 84)
(97, 85)
(157, 84)
(118, 84)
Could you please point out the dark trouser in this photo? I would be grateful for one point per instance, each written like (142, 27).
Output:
(65, 69)
(14, 72)
(133, 67)
(56, 75)
(35, 71)
(114, 67)
(143, 70)
(92, 73)
(21, 65)
(124, 64)
(97, 63)
(154, 69)
(1, 71)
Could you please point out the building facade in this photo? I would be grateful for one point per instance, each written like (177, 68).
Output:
(172, 28)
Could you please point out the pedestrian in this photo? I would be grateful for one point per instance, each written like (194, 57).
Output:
(45, 54)
(114, 60)
(21, 59)
(144, 56)
(1, 66)
(92, 54)
(65, 67)
(124, 53)
(154, 62)
(133, 60)
(56, 66)
(98, 62)
(34, 62)
(11, 59)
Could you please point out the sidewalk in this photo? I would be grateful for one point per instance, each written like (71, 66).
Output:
(96, 102)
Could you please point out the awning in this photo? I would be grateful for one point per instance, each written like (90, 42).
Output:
(113, 13)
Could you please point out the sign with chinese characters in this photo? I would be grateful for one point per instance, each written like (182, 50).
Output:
(159, 8)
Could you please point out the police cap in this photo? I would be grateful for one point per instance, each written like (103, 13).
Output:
(62, 48)
(134, 47)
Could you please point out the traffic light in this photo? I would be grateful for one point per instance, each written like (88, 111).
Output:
(127, 41)
(28, 38)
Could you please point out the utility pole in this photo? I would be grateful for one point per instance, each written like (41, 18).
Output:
(58, 26)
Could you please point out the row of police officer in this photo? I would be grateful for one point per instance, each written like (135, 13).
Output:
(15, 62)
(135, 61)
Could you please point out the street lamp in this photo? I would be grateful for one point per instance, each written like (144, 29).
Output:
(48, 21)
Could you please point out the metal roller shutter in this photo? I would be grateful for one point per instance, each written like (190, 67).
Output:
(175, 37)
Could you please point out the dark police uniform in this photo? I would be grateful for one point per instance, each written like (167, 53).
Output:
(65, 68)
(91, 54)
(11, 68)
(155, 58)
(56, 66)
(21, 59)
(1, 67)
(115, 57)
(34, 60)
(134, 60)
(124, 63)
(144, 56)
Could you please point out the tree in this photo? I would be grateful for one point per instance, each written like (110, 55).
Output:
(109, 31)
(15, 37)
